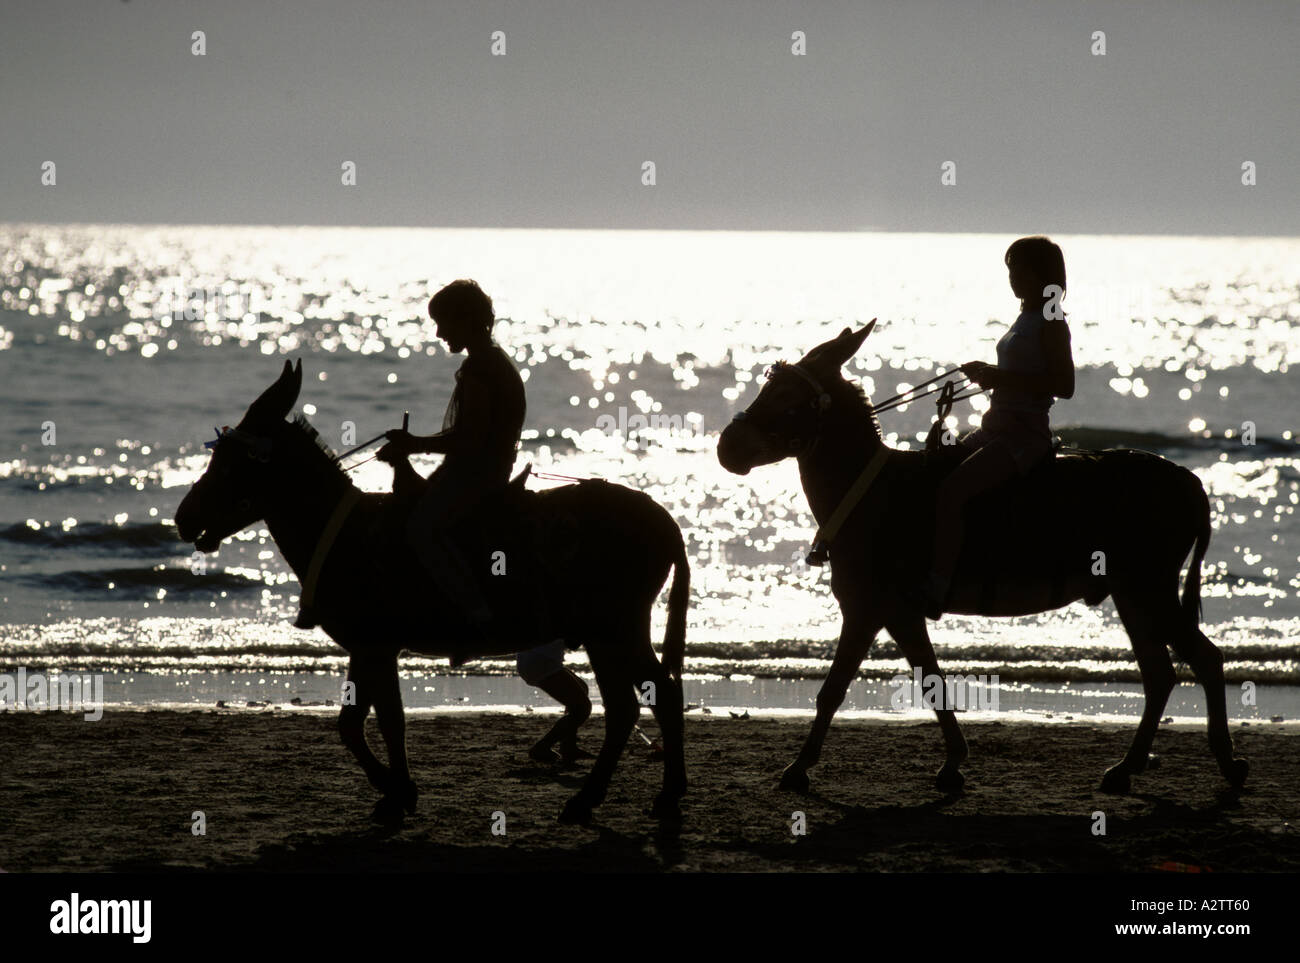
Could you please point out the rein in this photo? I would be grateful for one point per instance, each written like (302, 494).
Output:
(406, 423)
(555, 477)
(261, 449)
(353, 451)
(910, 395)
(949, 393)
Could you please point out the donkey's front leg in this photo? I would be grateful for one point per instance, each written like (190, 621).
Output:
(856, 635)
(910, 633)
(400, 793)
(358, 696)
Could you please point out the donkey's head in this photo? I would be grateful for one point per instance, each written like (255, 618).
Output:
(231, 494)
(788, 415)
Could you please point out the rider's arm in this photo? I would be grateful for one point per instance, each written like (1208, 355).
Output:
(471, 421)
(438, 444)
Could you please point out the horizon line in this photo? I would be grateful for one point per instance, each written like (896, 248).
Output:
(869, 229)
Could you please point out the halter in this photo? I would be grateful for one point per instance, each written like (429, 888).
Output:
(260, 448)
(948, 393)
(820, 404)
(823, 400)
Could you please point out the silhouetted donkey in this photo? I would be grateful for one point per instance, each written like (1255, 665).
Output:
(1141, 512)
(604, 552)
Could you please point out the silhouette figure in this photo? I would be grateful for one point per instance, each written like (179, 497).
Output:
(480, 434)
(1035, 366)
(603, 551)
(543, 667)
(1084, 526)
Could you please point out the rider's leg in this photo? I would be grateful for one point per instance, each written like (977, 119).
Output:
(427, 532)
(543, 667)
(987, 468)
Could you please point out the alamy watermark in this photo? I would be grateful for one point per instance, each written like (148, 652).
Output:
(76, 916)
(959, 692)
(76, 693)
(225, 302)
(636, 426)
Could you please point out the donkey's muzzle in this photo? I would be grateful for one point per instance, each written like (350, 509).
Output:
(736, 448)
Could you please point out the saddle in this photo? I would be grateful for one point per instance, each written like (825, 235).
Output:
(1041, 506)
(512, 547)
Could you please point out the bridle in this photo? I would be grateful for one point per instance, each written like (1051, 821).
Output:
(818, 405)
(257, 448)
(260, 449)
(948, 393)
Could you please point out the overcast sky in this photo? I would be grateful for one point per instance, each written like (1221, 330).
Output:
(1045, 136)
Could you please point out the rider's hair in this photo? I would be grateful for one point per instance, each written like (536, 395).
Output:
(466, 298)
(1041, 256)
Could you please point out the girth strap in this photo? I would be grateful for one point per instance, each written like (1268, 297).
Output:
(326, 541)
(826, 534)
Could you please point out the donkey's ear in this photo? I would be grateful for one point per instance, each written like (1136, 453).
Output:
(276, 401)
(844, 347)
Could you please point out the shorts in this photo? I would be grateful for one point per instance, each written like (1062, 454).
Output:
(448, 498)
(1023, 437)
(534, 665)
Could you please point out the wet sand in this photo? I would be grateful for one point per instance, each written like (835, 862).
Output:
(281, 794)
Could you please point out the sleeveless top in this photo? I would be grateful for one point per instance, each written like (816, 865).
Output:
(493, 454)
(1021, 350)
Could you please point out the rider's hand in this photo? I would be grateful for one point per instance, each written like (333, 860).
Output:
(980, 372)
(401, 445)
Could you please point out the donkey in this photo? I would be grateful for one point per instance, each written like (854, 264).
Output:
(600, 553)
(1030, 547)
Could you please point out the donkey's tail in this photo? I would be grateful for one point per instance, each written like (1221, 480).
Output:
(1192, 584)
(679, 597)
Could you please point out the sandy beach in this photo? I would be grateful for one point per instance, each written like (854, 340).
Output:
(280, 794)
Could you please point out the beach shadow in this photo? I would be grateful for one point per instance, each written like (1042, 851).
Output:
(381, 851)
(1176, 811)
(569, 776)
(935, 840)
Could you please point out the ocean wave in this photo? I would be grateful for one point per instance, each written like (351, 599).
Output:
(1088, 436)
(1010, 653)
(138, 583)
(176, 650)
(145, 538)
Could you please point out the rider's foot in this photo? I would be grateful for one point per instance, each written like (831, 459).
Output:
(306, 618)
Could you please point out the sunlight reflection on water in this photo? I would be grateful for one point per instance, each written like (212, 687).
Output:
(158, 334)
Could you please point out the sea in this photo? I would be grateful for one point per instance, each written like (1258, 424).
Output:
(122, 348)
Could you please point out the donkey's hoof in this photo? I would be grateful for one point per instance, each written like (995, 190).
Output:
(1116, 781)
(546, 755)
(794, 780)
(387, 812)
(576, 812)
(949, 781)
(569, 754)
(405, 794)
(666, 808)
(1237, 772)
